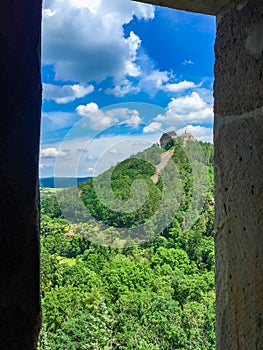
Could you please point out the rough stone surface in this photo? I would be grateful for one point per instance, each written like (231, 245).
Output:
(209, 7)
(239, 230)
(238, 84)
(238, 140)
(19, 148)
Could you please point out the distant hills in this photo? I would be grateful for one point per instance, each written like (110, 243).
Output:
(61, 182)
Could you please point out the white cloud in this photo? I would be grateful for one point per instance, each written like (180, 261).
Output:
(89, 108)
(65, 93)
(101, 120)
(92, 5)
(45, 165)
(123, 87)
(203, 116)
(145, 77)
(84, 39)
(189, 109)
(85, 42)
(97, 118)
(158, 78)
(181, 86)
(187, 62)
(91, 158)
(51, 152)
(150, 81)
(152, 127)
(134, 42)
(114, 151)
(186, 104)
(91, 170)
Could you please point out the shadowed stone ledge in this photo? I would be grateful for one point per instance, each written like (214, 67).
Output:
(208, 7)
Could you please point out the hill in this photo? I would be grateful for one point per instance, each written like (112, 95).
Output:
(126, 271)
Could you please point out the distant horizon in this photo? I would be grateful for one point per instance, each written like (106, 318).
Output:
(65, 177)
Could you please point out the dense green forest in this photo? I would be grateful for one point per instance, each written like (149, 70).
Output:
(108, 280)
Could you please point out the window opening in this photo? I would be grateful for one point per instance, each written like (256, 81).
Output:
(126, 176)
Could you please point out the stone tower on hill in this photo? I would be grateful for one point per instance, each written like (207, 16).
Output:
(187, 137)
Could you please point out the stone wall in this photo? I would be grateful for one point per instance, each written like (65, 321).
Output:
(20, 108)
(209, 7)
(238, 137)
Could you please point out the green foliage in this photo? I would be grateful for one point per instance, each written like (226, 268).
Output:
(159, 295)
(170, 143)
(122, 178)
(50, 206)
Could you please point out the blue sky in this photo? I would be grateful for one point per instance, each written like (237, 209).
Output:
(116, 74)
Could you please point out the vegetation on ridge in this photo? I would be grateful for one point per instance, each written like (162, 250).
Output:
(102, 290)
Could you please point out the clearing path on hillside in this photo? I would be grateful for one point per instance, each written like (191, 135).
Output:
(165, 157)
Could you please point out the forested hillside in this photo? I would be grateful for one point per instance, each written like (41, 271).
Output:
(109, 281)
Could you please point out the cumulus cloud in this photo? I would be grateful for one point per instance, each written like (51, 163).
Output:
(65, 93)
(181, 86)
(152, 127)
(51, 153)
(88, 109)
(189, 109)
(101, 120)
(134, 42)
(84, 39)
(185, 104)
